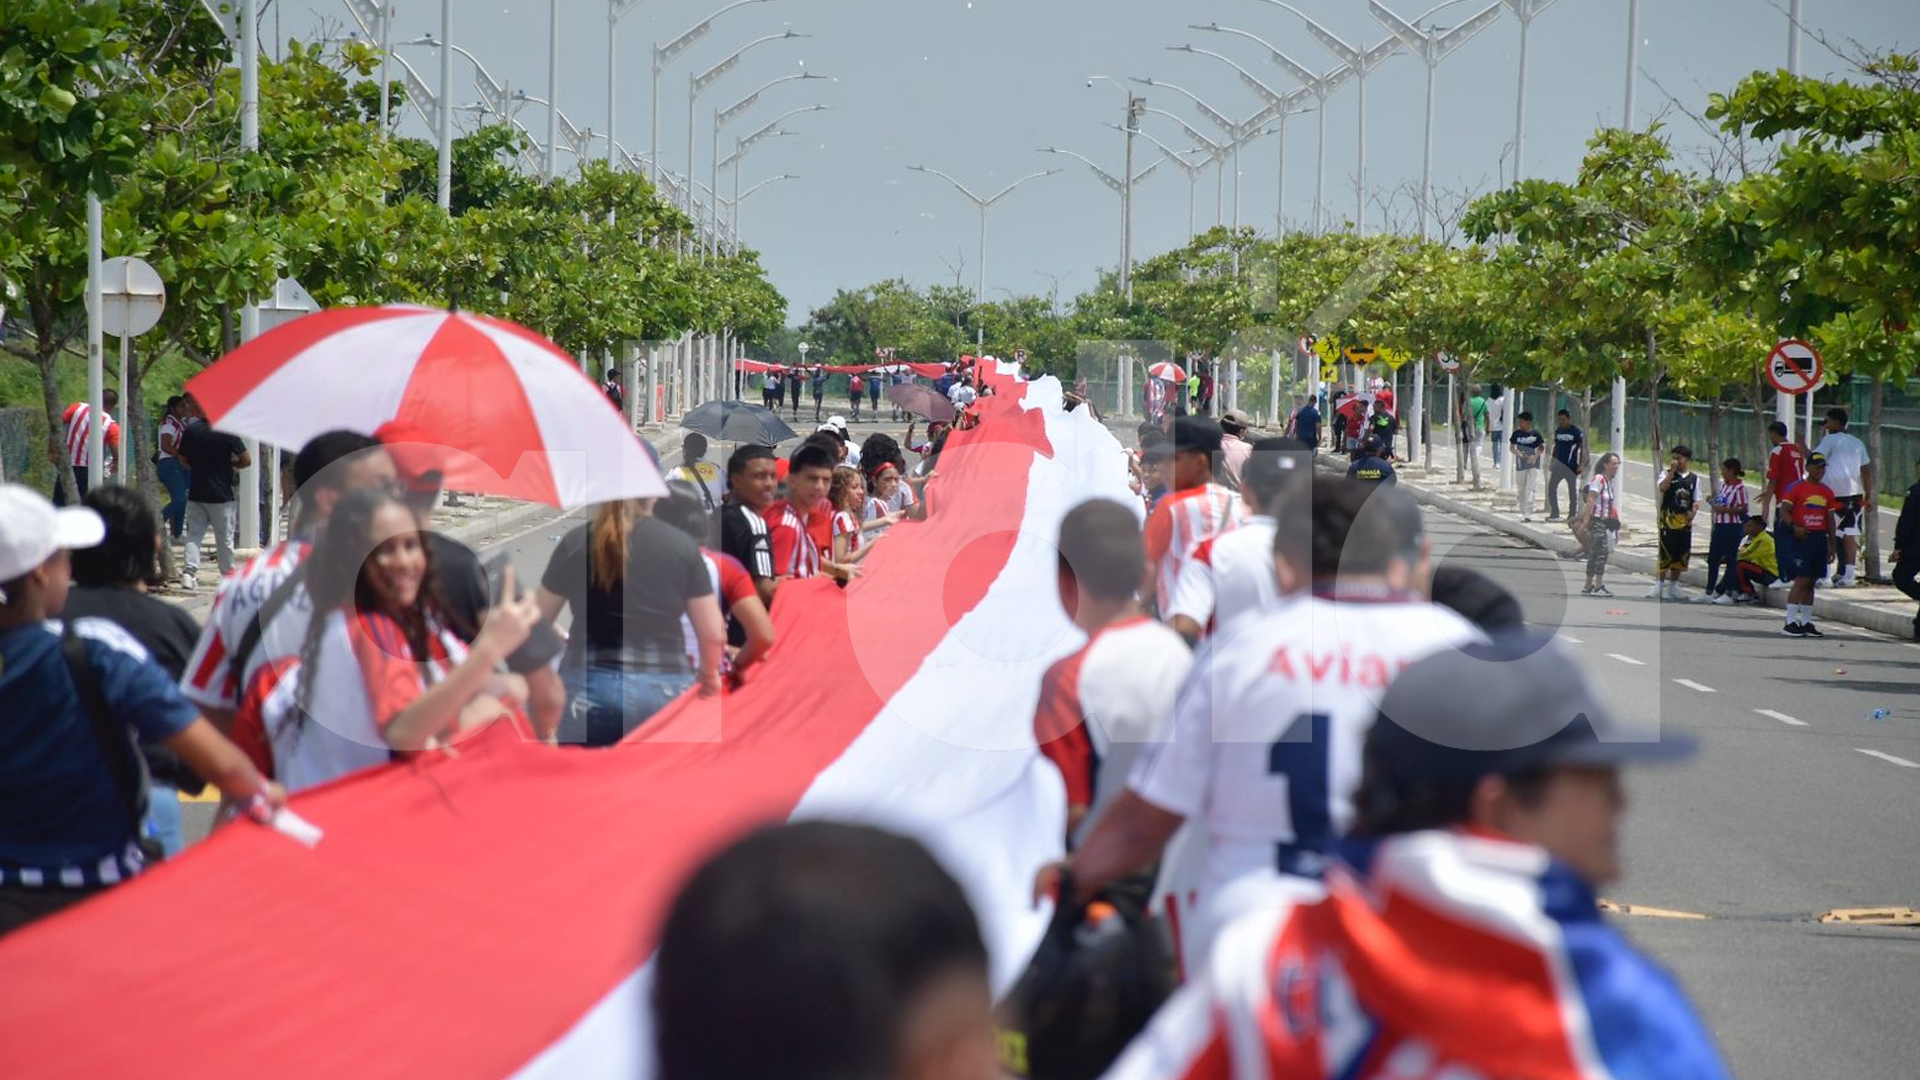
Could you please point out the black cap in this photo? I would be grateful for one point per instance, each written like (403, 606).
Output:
(1198, 434)
(1522, 702)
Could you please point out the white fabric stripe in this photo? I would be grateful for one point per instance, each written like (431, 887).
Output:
(926, 766)
(591, 462)
(352, 380)
(32, 878)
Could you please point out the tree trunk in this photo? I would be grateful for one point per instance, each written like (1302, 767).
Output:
(1653, 404)
(48, 363)
(1876, 405)
(1713, 446)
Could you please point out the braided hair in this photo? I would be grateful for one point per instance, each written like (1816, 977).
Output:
(336, 574)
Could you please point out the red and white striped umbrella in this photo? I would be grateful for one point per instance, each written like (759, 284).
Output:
(1168, 370)
(528, 424)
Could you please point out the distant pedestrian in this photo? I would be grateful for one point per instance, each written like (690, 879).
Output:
(1384, 427)
(1786, 466)
(79, 452)
(819, 381)
(873, 394)
(855, 388)
(1811, 510)
(1370, 466)
(1850, 475)
(213, 459)
(1729, 530)
(611, 386)
(771, 392)
(173, 474)
(1906, 551)
(1599, 524)
(1306, 426)
(1679, 491)
(1499, 407)
(699, 473)
(1476, 420)
(1529, 447)
(1569, 461)
(1234, 447)
(793, 390)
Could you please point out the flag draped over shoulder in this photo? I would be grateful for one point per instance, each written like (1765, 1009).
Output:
(492, 913)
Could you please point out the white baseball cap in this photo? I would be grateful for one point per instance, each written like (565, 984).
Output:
(836, 422)
(31, 530)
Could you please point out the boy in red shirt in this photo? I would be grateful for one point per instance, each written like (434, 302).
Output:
(1198, 509)
(1809, 505)
(795, 555)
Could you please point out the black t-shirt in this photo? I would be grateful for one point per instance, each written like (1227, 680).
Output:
(743, 535)
(1526, 447)
(1566, 446)
(168, 634)
(638, 619)
(210, 455)
(464, 585)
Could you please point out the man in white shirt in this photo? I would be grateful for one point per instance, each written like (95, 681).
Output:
(1265, 748)
(1850, 475)
(1230, 576)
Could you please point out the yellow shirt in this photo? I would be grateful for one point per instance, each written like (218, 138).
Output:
(1759, 551)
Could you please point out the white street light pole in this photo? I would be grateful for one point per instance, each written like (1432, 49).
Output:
(1321, 87)
(721, 117)
(553, 89)
(1526, 11)
(445, 97)
(697, 84)
(664, 55)
(984, 206)
(1238, 134)
(616, 10)
(1362, 61)
(1122, 188)
(1783, 403)
(1191, 170)
(1431, 44)
(748, 194)
(1278, 105)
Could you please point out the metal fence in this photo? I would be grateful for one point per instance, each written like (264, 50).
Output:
(23, 458)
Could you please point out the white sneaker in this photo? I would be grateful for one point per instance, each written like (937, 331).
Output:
(1824, 583)
(1703, 598)
(1847, 580)
(1673, 591)
(1658, 592)
(1723, 600)
(189, 582)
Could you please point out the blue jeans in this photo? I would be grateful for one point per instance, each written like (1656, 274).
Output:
(173, 477)
(1723, 550)
(605, 704)
(163, 818)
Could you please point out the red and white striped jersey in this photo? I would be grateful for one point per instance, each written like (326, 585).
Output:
(210, 681)
(171, 425)
(1730, 503)
(77, 418)
(1228, 578)
(1178, 524)
(1265, 751)
(1101, 704)
(847, 525)
(795, 554)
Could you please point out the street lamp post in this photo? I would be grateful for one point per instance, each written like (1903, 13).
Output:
(721, 118)
(1217, 153)
(749, 193)
(697, 84)
(1362, 61)
(445, 97)
(1238, 133)
(1191, 170)
(616, 10)
(1279, 105)
(1526, 11)
(1431, 44)
(1321, 86)
(664, 55)
(1124, 189)
(984, 206)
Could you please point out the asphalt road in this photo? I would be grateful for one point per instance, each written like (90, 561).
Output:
(1806, 807)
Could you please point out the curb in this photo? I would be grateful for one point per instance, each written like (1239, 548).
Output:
(1892, 623)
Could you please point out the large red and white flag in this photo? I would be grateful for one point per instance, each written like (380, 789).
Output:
(493, 913)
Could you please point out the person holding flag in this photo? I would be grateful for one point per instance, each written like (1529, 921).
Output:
(1463, 937)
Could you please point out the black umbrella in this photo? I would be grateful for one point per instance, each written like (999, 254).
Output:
(739, 422)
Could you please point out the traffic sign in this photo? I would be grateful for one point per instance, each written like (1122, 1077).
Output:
(1448, 362)
(132, 297)
(1019, 356)
(1795, 367)
(1361, 354)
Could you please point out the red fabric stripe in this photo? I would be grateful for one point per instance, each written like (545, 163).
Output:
(463, 912)
(471, 398)
(225, 384)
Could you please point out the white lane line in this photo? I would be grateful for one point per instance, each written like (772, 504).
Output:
(1782, 717)
(1571, 640)
(1627, 659)
(1691, 685)
(1900, 761)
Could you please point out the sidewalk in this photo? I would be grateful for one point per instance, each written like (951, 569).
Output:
(1874, 607)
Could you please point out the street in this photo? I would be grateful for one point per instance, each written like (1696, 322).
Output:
(1792, 808)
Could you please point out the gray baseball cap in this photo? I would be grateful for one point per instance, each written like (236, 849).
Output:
(1519, 703)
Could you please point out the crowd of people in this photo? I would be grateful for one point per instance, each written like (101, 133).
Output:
(1267, 717)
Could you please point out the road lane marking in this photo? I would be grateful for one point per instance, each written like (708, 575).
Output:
(1782, 717)
(1627, 659)
(1691, 685)
(1900, 761)
(1613, 907)
(1571, 640)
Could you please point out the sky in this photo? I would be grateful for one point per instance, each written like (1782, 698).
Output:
(975, 88)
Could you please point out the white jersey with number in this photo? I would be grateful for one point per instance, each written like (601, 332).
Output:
(1267, 733)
